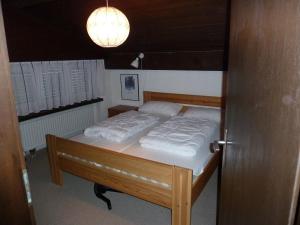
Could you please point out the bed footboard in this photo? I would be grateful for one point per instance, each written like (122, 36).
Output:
(55, 171)
(182, 196)
(162, 184)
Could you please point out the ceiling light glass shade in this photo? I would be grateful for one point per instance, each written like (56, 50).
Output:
(108, 27)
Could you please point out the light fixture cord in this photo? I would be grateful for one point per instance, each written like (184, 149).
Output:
(106, 19)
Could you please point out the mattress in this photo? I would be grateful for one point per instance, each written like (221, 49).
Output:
(132, 147)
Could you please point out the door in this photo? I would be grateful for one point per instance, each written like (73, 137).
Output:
(14, 209)
(260, 173)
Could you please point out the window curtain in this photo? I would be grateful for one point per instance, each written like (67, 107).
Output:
(50, 84)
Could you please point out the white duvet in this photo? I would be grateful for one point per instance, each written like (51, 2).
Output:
(122, 126)
(179, 135)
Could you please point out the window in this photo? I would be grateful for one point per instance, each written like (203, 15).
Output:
(48, 85)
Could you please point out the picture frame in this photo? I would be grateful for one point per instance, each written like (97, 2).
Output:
(130, 87)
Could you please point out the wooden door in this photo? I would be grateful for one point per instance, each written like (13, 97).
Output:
(297, 216)
(260, 173)
(14, 209)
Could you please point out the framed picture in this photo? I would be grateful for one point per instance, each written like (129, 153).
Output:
(130, 87)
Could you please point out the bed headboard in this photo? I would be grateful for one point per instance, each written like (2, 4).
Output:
(183, 98)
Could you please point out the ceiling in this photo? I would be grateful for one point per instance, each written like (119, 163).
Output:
(173, 34)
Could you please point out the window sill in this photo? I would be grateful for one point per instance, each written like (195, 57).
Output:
(60, 109)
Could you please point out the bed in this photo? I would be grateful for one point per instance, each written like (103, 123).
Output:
(167, 185)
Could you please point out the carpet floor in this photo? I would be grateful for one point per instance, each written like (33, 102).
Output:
(75, 203)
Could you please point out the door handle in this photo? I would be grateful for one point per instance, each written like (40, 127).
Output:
(215, 146)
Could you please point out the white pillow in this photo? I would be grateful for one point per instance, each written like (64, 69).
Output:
(162, 108)
(213, 114)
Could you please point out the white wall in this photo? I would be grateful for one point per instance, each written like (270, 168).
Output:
(184, 82)
(100, 110)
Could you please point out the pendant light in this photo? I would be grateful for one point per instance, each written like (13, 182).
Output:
(108, 27)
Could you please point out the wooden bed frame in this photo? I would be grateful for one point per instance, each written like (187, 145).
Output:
(124, 172)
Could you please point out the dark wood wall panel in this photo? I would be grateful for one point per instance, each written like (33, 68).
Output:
(210, 60)
(31, 39)
(173, 34)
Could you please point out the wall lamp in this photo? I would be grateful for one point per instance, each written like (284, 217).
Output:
(138, 61)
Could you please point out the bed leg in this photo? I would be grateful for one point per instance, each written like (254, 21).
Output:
(181, 196)
(56, 175)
